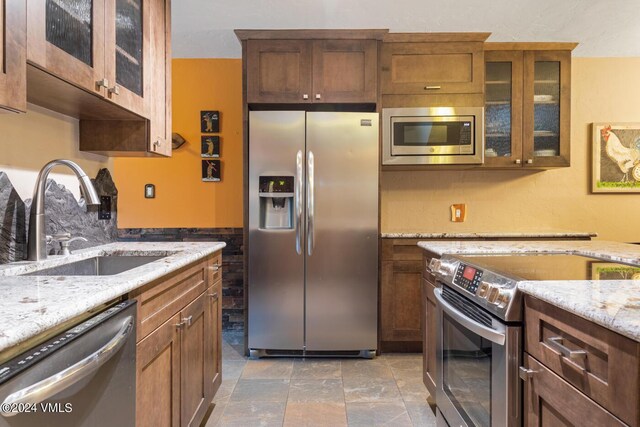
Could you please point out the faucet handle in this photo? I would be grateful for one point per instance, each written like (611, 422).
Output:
(60, 237)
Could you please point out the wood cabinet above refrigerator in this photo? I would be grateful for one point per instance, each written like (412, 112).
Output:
(13, 48)
(311, 66)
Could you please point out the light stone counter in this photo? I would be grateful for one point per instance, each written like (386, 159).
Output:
(614, 304)
(491, 235)
(33, 304)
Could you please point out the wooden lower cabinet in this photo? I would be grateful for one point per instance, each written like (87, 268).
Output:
(429, 337)
(179, 362)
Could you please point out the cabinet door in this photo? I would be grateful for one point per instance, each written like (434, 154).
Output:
(278, 71)
(345, 71)
(213, 340)
(13, 68)
(158, 85)
(549, 401)
(193, 360)
(547, 108)
(503, 109)
(434, 67)
(158, 377)
(66, 39)
(429, 339)
(127, 52)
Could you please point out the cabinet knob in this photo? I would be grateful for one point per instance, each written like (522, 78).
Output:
(305, 96)
(432, 87)
(318, 96)
(526, 374)
(215, 267)
(529, 161)
(102, 83)
(213, 296)
(187, 320)
(518, 161)
(156, 144)
(115, 90)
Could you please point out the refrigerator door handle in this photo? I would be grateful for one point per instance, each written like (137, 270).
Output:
(310, 203)
(298, 202)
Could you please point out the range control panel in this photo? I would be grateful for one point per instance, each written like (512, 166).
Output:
(468, 278)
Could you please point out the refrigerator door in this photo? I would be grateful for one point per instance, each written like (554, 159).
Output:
(276, 256)
(342, 231)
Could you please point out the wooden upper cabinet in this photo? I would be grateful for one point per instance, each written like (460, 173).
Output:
(13, 47)
(418, 64)
(311, 66)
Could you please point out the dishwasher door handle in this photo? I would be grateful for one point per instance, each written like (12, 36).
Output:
(64, 379)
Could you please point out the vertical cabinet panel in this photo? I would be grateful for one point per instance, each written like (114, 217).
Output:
(213, 342)
(13, 71)
(66, 38)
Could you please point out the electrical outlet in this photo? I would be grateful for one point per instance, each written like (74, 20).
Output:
(458, 212)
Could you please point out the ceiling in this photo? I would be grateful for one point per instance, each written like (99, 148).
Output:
(204, 28)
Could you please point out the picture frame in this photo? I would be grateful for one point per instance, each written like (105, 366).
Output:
(612, 271)
(211, 171)
(616, 158)
(209, 121)
(210, 146)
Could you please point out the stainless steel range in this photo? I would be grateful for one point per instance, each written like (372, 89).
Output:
(479, 331)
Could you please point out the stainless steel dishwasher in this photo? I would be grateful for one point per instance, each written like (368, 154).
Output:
(82, 377)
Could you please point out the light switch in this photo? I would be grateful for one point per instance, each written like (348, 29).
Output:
(149, 191)
(458, 212)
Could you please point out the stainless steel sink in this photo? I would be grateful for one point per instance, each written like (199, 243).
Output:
(97, 266)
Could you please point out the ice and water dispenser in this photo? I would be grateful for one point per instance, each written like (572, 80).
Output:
(276, 202)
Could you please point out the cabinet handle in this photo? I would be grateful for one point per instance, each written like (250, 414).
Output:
(556, 343)
(102, 83)
(115, 90)
(318, 96)
(518, 161)
(187, 320)
(215, 267)
(156, 144)
(213, 296)
(529, 161)
(305, 96)
(432, 87)
(526, 374)
(179, 325)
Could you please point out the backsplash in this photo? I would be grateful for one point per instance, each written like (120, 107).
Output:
(232, 262)
(64, 214)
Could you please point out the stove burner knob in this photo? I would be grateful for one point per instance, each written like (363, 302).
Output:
(483, 289)
(493, 294)
(503, 299)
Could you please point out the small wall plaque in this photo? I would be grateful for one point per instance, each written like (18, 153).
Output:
(210, 121)
(211, 170)
(210, 146)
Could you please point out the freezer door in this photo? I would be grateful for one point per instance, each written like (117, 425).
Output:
(342, 231)
(276, 257)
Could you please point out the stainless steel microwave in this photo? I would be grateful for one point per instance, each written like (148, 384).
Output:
(432, 136)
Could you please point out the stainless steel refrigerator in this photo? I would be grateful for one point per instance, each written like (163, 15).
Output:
(313, 233)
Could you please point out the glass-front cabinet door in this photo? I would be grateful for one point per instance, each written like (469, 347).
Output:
(66, 39)
(547, 108)
(127, 52)
(503, 108)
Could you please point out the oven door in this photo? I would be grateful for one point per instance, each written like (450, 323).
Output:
(476, 365)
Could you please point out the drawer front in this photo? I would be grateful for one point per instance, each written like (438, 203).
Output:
(162, 299)
(551, 401)
(600, 363)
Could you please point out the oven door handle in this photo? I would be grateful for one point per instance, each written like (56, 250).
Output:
(485, 332)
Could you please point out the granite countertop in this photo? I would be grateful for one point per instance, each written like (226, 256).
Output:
(614, 304)
(33, 304)
(490, 235)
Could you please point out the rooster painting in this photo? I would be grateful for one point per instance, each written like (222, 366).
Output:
(626, 158)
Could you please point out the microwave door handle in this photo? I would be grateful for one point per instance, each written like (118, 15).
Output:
(485, 332)
(298, 202)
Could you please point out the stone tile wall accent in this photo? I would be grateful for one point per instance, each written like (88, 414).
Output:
(232, 262)
(64, 214)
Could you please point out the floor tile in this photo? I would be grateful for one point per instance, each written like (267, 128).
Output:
(315, 414)
(216, 415)
(376, 368)
(224, 392)
(316, 391)
(232, 369)
(392, 414)
(243, 414)
(316, 369)
(371, 390)
(260, 391)
(268, 369)
(412, 390)
(421, 414)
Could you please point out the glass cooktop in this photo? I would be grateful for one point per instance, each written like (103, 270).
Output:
(552, 267)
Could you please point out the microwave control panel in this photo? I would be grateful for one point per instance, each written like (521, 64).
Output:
(468, 278)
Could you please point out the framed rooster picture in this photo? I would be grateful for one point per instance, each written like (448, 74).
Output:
(616, 158)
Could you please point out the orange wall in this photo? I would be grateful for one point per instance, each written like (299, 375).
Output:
(182, 199)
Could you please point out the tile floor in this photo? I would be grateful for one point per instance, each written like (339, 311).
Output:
(386, 391)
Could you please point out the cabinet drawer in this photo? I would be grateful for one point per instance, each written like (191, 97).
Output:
(600, 363)
(160, 300)
(551, 401)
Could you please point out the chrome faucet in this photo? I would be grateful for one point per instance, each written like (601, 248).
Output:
(37, 243)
